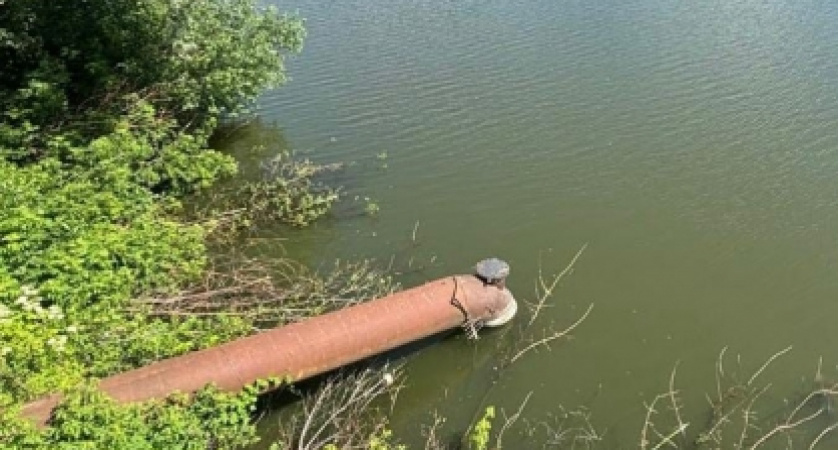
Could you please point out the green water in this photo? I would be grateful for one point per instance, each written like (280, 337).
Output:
(691, 144)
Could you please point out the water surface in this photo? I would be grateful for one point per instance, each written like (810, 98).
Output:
(692, 145)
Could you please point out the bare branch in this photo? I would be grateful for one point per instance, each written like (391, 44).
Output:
(749, 416)
(719, 372)
(736, 398)
(341, 412)
(569, 430)
(648, 425)
(554, 336)
(545, 291)
(767, 363)
(825, 431)
(509, 421)
(672, 394)
(270, 292)
(431, 431)
(667, 439)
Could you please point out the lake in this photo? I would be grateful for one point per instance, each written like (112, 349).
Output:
(692, 146)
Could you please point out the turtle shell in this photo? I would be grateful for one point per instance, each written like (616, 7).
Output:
(492, 269)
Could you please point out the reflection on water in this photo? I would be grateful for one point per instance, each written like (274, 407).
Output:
(693, 145)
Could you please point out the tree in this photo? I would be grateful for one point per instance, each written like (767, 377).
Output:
(70, 67)
(106, 107)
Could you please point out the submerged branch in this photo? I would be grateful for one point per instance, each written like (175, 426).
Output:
(546, 290)
(739, 399)
(554, 336)
(341, 413)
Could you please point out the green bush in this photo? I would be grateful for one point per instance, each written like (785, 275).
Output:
(87, 419)
(105, 112)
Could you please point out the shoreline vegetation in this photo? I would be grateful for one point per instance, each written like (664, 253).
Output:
(107, 109)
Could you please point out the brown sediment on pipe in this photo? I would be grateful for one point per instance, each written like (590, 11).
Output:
(310, 347)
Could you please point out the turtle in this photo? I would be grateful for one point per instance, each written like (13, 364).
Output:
(492, 271)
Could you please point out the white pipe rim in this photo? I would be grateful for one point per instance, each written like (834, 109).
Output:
(505, 315)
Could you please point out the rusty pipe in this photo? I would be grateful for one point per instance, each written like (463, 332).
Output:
(313, 346)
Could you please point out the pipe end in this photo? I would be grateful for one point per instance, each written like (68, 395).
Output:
(505, 315)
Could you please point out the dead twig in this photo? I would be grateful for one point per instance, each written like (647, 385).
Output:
(569, 430)
(819, 437)
(271, 292)
(554, 336)
(433, 442)
(736, 398)
(649, 426)
(342, 413)
(545, 291)
(767, 363)
(672, 394)
(791, 421)
(509, 421)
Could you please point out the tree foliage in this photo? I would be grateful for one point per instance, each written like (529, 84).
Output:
(106, 107)
(189, 57)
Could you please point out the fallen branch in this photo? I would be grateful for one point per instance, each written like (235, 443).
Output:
(767, 363)
(791, 422)
(509, 421)
(548, 289)
(270, 292)
(739, 398)
(341, 412)
(546, 340)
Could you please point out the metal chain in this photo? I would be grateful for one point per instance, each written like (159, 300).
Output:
(471, 326)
